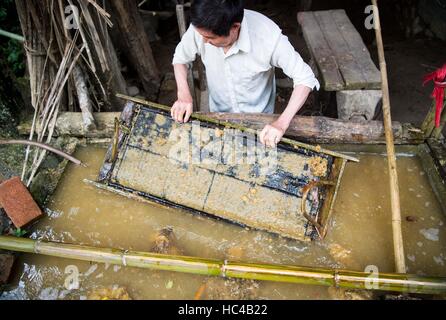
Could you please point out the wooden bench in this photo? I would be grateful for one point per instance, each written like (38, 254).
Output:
(342, 62)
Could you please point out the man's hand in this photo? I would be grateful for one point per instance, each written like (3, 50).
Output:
(273, 133)
(182, 109)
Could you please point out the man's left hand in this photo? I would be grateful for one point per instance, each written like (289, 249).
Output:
(273, 133)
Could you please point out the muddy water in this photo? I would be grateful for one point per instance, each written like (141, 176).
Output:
(360, 235)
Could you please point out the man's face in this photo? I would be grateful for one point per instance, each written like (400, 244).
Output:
(220, 41)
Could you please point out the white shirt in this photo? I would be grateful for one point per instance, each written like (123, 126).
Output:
(243, 79)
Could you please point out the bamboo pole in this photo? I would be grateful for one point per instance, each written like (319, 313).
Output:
(393, 175)
(197, 116)
(12, 35)
(218, 268)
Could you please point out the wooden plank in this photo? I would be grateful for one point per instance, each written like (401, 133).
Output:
(360, 52)
(438, 149)
(320, 50)
(346, 61)
(432, 155)
(327, 208)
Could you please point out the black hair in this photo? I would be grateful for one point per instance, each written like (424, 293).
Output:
(217, 16)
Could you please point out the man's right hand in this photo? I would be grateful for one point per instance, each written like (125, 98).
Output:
(182, 109)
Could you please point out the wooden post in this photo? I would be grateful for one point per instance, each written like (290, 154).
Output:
(83, 96)
(182, 26)
(305, 5)
(436, 133)
(137, 43)
(429, 122)
(393, 175)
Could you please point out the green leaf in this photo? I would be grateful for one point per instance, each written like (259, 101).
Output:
(19, 232)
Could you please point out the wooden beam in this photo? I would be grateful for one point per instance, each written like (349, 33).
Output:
(137, 44)
(182, 26)
(318, 130)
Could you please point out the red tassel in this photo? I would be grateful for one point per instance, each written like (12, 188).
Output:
(439, 78)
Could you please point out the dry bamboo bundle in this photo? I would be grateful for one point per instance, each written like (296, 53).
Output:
(63, 60)
(212, 267)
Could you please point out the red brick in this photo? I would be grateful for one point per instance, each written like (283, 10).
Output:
(18, 203)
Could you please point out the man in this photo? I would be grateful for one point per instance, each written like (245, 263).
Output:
(240, 50)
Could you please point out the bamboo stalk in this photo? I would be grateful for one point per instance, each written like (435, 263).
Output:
(197, 116)
(12, 35)
(213, 267)
(393, 174)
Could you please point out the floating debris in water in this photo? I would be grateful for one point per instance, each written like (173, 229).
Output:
(169, 285)
(115, 293)
(116, 268)
(235, 253)
(411, 257)
(229, 289)
(73, 212)
(439, 260)
(343, 294)
(411, 219)
(342, 255)
(164, 243)
(49, 294)
(430, 234)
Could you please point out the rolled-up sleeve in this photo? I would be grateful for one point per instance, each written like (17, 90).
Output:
(292, 64)
(187, 49)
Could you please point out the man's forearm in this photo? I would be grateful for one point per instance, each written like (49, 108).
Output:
(297, 100)
(181, 71)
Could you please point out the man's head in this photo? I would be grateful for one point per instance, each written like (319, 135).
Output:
(218, 21)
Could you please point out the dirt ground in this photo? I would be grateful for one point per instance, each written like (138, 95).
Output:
(408, 60)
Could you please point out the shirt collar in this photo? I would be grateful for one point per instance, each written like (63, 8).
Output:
(244, 41)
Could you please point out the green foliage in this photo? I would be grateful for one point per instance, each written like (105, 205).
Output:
(11, 51)
(7, 122)
(19, 232)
